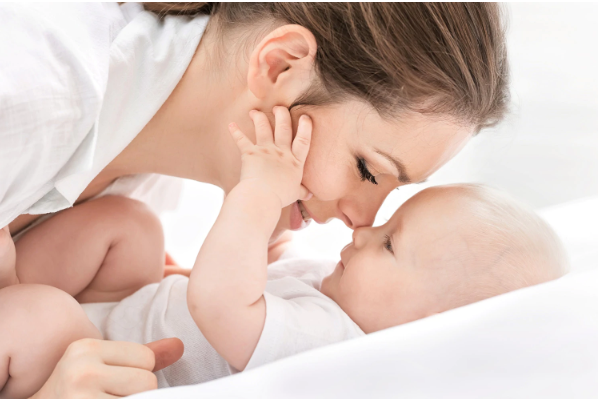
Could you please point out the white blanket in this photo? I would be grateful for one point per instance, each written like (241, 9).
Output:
(539, 342)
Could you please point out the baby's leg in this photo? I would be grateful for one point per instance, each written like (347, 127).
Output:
(98, 251)
(38, 323)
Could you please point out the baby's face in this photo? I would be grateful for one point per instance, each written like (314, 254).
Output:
(397, 272)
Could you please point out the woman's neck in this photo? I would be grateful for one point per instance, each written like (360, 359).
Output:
(188, 136)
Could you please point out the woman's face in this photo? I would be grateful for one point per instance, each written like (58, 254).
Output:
(356, 158)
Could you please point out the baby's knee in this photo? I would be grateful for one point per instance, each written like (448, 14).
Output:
(39, 322)
(134, 219)
(138, 239)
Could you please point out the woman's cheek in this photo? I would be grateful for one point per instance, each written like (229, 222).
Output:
(324, 181)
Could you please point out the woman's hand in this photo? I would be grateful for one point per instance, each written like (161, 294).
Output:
(171, 267)
(275, 162)
(92, 368)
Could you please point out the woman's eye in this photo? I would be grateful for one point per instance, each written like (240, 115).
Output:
(388, 244)
(364, 172)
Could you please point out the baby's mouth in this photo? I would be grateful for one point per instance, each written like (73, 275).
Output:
(304, 214)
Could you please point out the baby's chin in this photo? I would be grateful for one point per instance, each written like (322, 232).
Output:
(330, 282)
(325, 286)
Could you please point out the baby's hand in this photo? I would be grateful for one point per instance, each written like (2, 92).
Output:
(7, 259)
(276, 161)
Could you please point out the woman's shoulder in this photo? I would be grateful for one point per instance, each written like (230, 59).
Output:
(55, 66)
(57, 47)
(53, 75)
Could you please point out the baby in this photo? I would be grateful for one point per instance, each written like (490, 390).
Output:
(445, 247)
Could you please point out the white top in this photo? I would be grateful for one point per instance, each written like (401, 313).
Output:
(78, 81)
(298, 318)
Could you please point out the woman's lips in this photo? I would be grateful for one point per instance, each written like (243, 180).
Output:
(297, 220)
(306, 213)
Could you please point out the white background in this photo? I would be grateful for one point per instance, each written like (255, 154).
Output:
(545, 153)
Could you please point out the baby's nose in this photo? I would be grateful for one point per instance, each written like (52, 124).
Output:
(361, 236)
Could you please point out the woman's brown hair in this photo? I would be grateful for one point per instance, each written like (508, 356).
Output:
(442, 58)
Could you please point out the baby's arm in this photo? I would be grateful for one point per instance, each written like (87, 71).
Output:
(227, 283)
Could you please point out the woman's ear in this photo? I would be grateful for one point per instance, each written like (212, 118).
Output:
(281, 66)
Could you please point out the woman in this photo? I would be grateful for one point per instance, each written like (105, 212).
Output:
(394, 91)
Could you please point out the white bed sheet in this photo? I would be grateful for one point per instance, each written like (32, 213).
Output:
(539, 342)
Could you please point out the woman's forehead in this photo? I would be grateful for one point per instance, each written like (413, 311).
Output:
(421, 143)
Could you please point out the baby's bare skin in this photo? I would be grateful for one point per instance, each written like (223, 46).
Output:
(39, 323)
(7, 259)
(99, 251)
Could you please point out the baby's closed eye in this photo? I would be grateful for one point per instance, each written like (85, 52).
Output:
(388, 244)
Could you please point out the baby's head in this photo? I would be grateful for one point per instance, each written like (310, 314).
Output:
(446, 247)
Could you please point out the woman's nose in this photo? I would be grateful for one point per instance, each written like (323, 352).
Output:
(355, 215)
(358, 212)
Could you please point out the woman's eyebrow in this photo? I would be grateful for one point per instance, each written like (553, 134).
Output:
(403, 177)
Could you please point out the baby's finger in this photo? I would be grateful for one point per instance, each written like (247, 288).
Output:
(303, 138)
(283, 131)
(304, 194)
(241, 140)
(263, 130)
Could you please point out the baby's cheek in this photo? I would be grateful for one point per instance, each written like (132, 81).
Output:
(356, 302)
(354, 288)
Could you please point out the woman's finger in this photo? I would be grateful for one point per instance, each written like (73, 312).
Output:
(263, 130)
(303, 138)
(169, 260)
(243, 143)
(126, 354)
(283, 131)
(166, 351)
(169, 270)
(125, 381)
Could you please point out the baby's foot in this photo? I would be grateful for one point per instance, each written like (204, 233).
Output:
(8, 274)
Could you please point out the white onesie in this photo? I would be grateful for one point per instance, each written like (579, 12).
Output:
(298, 318)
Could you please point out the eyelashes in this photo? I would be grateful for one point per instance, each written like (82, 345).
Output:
(388, 244)
(364, 172)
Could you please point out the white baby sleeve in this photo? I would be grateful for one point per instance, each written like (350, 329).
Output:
(306, 321)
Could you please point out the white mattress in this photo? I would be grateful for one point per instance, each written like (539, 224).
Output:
(539, 342)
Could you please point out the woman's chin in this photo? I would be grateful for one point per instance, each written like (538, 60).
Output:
(290, 220)
(296, 221)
